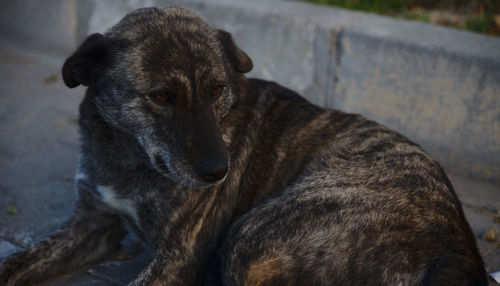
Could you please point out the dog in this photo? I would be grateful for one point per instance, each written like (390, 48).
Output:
(237, 181)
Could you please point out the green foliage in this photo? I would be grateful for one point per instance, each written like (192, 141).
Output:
(377, 6)
(474, 15)
(422, 16)
(12, 210)
(481, 23)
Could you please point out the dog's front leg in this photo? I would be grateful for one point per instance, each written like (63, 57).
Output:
(169, 269)
(83, 241)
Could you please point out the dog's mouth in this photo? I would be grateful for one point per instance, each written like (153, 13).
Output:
(160, 164)
(195, 180)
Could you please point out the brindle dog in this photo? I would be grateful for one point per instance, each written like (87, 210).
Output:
(240, 181)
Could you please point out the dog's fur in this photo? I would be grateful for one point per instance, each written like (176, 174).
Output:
(255, 186)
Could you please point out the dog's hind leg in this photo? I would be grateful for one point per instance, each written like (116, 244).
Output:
(86, 239)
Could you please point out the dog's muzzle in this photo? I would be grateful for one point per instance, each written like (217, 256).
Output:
(213, 168)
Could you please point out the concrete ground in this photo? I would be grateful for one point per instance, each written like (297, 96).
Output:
(38, 155)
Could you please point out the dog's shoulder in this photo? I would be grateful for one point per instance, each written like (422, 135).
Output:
(274, 90)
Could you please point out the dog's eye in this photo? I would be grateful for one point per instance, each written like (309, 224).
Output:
(216, 91)
(161, 96)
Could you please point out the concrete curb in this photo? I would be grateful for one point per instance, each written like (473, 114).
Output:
(439, 86)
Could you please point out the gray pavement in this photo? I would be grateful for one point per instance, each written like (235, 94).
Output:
(38, 157)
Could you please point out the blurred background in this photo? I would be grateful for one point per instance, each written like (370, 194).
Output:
(482, 16)
(428, 69)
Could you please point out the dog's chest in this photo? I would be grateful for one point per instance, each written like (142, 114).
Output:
(122, 205)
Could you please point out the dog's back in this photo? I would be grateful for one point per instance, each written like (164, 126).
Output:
(345, 201)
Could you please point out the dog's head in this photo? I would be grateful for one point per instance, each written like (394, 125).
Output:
(164, 76)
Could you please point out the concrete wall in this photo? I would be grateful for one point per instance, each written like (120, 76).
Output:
(438, 86)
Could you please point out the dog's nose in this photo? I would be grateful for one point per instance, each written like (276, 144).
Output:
(213, 169)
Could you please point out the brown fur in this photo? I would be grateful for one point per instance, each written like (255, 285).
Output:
(262, 271)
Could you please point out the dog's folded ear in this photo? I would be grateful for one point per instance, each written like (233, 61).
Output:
(87, 62)
(240, 61)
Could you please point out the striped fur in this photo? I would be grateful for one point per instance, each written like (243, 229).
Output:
(312, 196)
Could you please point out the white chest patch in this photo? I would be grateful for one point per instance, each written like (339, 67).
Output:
(125, 206)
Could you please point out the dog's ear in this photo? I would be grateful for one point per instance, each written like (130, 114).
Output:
(88, 61)
(240, 61)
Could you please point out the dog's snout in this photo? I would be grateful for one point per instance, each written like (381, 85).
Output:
(214, 168)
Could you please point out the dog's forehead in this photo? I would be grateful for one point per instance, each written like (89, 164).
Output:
(143, 22)
(168, 43)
